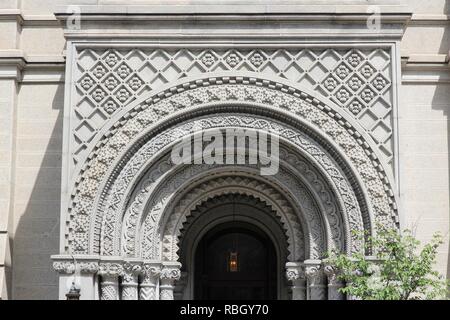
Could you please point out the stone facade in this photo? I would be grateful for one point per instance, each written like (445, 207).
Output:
(358, 93)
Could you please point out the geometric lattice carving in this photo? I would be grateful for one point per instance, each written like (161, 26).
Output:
(357, 80)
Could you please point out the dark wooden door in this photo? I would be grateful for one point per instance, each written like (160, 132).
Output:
(256, 275)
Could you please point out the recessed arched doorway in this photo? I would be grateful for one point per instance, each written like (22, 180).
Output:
(235, 260)
(233, 223)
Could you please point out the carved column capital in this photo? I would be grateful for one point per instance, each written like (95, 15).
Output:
(296, 275)
(64, 267)
(169, 274)
(111, 269)
(294, 271)
(151, 272)
(332, 274)
(314, 274)
(70, 265)
(89, 267)
(315, 280)
(131, 271)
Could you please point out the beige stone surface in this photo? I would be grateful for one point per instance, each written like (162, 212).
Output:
(37, 190)
(31, 141)
(424, 163)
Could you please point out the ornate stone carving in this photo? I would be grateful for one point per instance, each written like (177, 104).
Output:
(350, 202)
(64, 267)
(168, 276)
(141, 70)
(315, 280)
(241, 185)
(110, 272)
(69, 267)
(296, 275)
(150, 279)
(334, 284)
(171, 274)
(130, 280)
(380, 200)
(114, 269)
(88, 267)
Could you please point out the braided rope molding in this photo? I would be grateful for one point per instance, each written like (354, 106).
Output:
(89, 180)
(324, 194)
(233, 185)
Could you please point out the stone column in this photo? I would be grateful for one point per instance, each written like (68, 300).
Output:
(149, 285)
(315, 280)
(296, 275)
(130, 281)
(110, 273)
(169, 274)
(334, 284)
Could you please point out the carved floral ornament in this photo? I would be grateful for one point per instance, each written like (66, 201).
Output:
(107, 162)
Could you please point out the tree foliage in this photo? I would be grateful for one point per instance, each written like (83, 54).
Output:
(401, 269)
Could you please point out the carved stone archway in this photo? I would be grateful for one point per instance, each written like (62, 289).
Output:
(113, 200)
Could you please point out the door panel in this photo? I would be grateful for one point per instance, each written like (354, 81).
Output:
(256, 275)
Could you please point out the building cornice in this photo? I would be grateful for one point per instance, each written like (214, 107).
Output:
(239, 11)
(15, 64)
(269, 21)
(426, 69)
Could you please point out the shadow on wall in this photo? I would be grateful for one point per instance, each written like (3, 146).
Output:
(37, 231)
(441, 94)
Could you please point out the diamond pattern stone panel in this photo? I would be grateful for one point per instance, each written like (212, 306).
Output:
(357, 80)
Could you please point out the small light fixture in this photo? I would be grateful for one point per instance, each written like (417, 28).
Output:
(233, 256)
(74, 293)
(233, 262)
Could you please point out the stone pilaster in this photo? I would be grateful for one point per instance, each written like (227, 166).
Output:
(169, 274)
(334, 284)
(149, 285)
(296, 276)
(315, 281)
